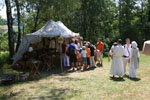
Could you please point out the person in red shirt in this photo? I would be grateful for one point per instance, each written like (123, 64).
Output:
(65, 57)
(100, 48)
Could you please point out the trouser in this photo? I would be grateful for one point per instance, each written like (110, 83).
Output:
(66, 60)
(125, 62)
(88, 61)
(100, 57)
(92, 61)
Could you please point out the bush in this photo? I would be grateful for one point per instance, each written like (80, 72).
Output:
(4, 56)
(4, 42)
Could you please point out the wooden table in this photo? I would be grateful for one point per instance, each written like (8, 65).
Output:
(48, 61)
(34, 67)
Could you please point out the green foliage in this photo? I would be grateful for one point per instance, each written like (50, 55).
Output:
(93, 19)
(4, 42)
(3, 49)
(4, 55)
(3, 21)
(134, 20)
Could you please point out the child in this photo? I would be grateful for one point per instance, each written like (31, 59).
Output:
(84, 60)
(134, 60)
(88, 55)
(79, 57)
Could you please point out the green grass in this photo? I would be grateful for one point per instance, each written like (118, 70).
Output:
(89, 85)
(4, 28)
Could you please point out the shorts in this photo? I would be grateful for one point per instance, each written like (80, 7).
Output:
(88, 61)
(99, 56)
(79, 59)
(84, 60)
(73, 58)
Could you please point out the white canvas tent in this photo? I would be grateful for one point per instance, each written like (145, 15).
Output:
(146, 47)
(51, 29)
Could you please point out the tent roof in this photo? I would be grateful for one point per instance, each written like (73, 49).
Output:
(54, 29)
(51, 29)
(147, 42)
(146, 47)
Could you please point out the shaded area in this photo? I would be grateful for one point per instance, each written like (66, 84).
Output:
(57, 94)
(69, 79)
(90, 69)
(54, 93)
(117, 79)
(67, 70)
(3, 97)
(133, 79)
(10, 94)
(44, 74)
(122, 79)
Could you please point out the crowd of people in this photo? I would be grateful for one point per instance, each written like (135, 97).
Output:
(82, 57)
(130, 54)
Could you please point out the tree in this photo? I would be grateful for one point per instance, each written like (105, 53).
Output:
(148, 11)
(19, 24)
(10, 28)
(126, 8)
(37, 16)
(91, 18)
(3, 21)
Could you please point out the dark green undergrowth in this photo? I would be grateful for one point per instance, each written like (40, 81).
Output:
(4, 58)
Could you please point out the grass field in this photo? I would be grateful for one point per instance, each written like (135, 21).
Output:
(88, 85)
(4, 28)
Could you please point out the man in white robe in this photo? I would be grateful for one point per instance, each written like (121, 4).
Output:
(117, 65)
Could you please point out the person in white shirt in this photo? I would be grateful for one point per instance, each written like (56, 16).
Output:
(117, 64)
(127, 54)
(84, 60)
(134, 60)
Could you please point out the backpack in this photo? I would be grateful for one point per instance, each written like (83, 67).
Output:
(71, 50)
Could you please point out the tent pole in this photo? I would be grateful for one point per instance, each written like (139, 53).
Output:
(61, 57)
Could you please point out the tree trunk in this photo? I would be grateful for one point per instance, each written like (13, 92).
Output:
(148, 10)
(120, 31)
(19, 25)
(36, 20)
(10, 28)
(84, 23)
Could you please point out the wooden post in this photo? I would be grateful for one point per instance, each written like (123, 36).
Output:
(60, 41)
(61, 57)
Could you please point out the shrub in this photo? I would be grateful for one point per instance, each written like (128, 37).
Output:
(4, 55)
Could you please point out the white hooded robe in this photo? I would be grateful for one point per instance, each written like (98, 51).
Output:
(134, 60)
